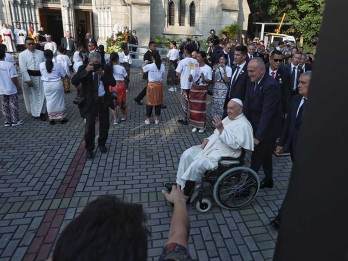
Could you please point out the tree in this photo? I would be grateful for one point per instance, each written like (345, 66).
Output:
(305, 16)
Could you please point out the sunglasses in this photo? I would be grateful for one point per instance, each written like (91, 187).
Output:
(278, 60)
(30, 43)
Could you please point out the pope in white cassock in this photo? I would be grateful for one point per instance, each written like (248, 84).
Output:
(33, 92)
(231, 135)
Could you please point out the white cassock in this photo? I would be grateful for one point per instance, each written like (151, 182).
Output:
(7, 38)
(51, 46)
(34, 97)
(237, 134)
(20, 35)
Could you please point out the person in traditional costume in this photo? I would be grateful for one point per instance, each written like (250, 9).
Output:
(51, 75)
(186, 69)
(232, 134)
(8, 38)
(126, 61)
(173, 57)
(119, 90)
(33, 92)
(198, 94)
(154, 91)
(222, 77)
(65, 61)
(20, 35)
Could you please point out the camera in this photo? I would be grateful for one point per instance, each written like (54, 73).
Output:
(97, 66)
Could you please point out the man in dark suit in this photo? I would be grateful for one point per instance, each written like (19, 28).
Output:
(133, 39)
(239, 79)
(67, 43)
(229, 55)
(147, 57)
(262, 107)
(196, 44)
(252, 52)
(278, 72)
(95, 83)
(303, 63)
(292, 126)
(295, 71)
(89, 38)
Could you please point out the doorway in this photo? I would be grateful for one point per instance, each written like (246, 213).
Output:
(84, 24)
(51, 20)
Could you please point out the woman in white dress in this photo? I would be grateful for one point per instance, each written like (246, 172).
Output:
(222, 77)
(173, 56)
(51, 75)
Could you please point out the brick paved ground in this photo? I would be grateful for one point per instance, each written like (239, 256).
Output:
(45, 181)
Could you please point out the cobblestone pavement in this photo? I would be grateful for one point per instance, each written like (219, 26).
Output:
(45, 181)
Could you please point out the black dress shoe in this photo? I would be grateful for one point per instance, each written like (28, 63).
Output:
(52, 122)
(266, 184)
(276, 222)
(89, 154)
(43, 117)
(63, 121)
(103, 148)
(138, 102)
(183, 122)
(163, 106)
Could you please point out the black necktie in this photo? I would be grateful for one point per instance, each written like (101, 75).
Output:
(234, 80)
(255, 87)
(293, 78)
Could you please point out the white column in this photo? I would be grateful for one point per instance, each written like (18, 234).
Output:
(109, 21)
(20, 13)
(13, 12)
(33, 15)
(26, 13)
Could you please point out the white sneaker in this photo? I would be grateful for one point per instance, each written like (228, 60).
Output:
(172, 89)
(20, 122)
(201, 130)
(147, 122)
(156, 121)
(123, 118)
(194, 129)
(116, 122)
(7, 124)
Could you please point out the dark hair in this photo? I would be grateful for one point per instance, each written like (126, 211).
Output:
(49, 56)
(158, 59)
(2, 54)
(3, 47)
(101, 48)
(84, 56)
(189, 48)
(297, 52)
(173, 43)
(28, 39)
(62, 50)
(242, 49)
(280, 43)
(203, 54)
(151, 43)
(107, 229)
(114, 57)
(276, 52)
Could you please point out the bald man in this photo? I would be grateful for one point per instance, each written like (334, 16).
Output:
(262, 107)
(231, 135)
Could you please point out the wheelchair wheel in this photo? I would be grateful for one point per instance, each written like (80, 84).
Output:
(236, 188)
(204, 205)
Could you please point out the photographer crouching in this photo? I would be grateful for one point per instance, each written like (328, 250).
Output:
(95, 100)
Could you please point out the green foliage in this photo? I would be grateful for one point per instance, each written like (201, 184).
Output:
(164, 41)
(305, 16)
(116, 45)
(231, 30)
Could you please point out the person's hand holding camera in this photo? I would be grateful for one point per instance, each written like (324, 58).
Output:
(100, 71)
(90, 67)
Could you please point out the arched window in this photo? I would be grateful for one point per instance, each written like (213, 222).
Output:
(182, 12)
(171, 10)
(192, 14)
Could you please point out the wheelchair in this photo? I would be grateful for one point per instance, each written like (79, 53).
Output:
(231, 185)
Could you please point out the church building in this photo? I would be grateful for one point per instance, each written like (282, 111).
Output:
(170, 18)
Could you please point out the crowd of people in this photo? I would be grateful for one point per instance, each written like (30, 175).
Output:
(258, 94)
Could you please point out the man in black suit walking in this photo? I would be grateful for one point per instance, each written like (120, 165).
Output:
(262, 107)
(133, 39)
(89, 39)
(295, 71)
(229, 55)
(292, 126)
(303, 63)
(95, 83)
(67, 43)
(281, 75)
(240, 76)
(252, 52)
